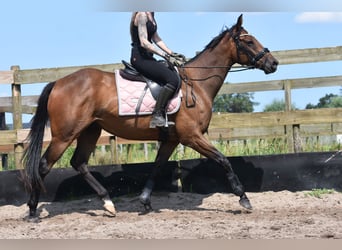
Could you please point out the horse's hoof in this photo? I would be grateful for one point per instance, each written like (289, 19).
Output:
(109, 207)
(32, 219)
(32, 212)
(146, 202)
(31, 216)
(148, 207)
(244, 202)
(145, 197)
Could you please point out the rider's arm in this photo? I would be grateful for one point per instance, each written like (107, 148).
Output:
(157, 40)
(142, 19)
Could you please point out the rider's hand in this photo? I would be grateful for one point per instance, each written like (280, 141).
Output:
(176, 59)
(178, 55)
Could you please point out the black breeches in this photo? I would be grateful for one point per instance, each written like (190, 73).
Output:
(154, 70)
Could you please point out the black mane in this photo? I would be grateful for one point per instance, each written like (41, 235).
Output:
(214, 42)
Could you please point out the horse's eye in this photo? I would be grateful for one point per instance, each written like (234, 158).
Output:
(250, 43)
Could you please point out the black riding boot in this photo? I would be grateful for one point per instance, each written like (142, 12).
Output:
(159, 112)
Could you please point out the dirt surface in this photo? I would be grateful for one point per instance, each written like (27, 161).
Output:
(275, 215)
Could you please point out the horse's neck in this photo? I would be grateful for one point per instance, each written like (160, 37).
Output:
(213, 67)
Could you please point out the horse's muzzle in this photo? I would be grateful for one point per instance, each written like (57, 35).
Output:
(270, 64)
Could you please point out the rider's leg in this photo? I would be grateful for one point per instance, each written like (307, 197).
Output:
(159, 112)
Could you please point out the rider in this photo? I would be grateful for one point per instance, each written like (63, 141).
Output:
(143, 29)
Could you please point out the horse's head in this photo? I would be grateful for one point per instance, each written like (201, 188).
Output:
(249, 50)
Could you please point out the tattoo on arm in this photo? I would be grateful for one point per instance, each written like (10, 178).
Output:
(142, 30)
(156, 38)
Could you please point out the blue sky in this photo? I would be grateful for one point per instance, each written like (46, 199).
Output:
(44, 34)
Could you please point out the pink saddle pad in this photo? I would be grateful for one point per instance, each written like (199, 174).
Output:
(129, 93)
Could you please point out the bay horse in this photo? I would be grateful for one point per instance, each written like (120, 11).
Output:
(83, 103)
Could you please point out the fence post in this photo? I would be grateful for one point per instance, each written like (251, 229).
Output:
(129, 152)
(146, 151)
(288, 128)
(296, 139)
(113, 149)
(4, 157)
(17, 117)
(287, 89)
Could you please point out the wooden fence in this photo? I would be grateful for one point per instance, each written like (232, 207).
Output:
(288, 124)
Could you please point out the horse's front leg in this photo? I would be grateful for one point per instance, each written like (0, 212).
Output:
(238, 188)
(164, 152)
(203, 146)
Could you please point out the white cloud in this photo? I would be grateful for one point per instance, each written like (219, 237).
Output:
(319, 17)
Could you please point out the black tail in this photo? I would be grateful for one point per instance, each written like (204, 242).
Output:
(32, 153)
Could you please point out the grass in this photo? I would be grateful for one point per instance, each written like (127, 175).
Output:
(139, 153)
(318, 193)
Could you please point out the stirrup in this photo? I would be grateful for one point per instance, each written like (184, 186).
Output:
(165, 125)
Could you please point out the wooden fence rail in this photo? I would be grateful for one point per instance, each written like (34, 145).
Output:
(231, 126)
(288, 124)
(285, 57)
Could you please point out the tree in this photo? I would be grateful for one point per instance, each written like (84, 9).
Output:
(327, 101)
(234, 103)
(336, 102)
(277, 105)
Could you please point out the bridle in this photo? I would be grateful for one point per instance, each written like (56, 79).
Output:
(240, 48)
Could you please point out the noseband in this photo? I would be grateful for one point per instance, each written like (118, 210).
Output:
(240, 48)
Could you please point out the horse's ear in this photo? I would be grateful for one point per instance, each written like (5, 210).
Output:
(239, 23)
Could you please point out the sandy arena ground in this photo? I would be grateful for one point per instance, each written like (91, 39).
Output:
(276, 215)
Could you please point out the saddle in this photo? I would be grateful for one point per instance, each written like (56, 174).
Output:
(130, 73)
(137, 94)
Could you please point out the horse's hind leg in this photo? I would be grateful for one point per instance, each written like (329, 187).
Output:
(164, 152)
(51, 155)
(86, 143)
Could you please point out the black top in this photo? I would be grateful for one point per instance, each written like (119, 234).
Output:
(151, 29)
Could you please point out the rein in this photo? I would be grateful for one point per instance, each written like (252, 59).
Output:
(189, 84)
(243, 68)
(186, 79)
